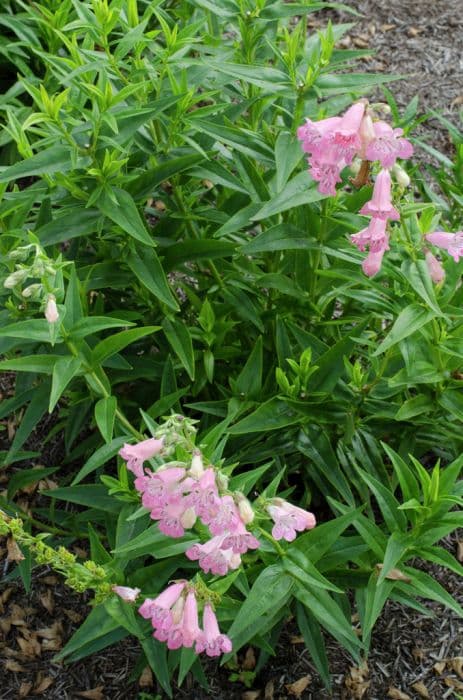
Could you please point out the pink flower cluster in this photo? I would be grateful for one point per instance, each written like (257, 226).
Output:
(174, 617)
(333, 143)
(176, 497)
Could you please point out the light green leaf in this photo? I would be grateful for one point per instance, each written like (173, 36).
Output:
(63, 371)
(105, 413)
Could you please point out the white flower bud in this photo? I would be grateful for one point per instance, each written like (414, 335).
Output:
(245, 510)
(15, 278)
(31, 291)
(400, 176)
(51, 310)
(197, 466)
(188, 518)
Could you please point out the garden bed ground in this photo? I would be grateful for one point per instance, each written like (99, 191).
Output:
(412, 656)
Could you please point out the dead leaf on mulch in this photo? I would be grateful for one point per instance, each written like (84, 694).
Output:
(297, 639)
(397, 694)
(24, 689)
(249, 662)
(14, 553)
(269, 691)
(395, 574)
(29, 644)
(73, 615)
(251, 695)
(93, 694)
(439, 667)
(48, 600)
(42, 684)
(357, 681)
(53, 632)
(298, 687)
(456, 664)
(12, 665)
(421, 689)
(146, 678)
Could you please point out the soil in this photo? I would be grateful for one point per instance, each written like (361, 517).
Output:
(412, 656)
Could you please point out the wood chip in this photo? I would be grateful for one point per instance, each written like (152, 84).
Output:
(269, 691)
(298, 687)
(72, 615)
(387, 27)
(14, 553)
(47, 600)
(439, 667)
(413, 31)
(24, 689)
(454, 683)
(360, 43)
(250, 695)
(421, 689)
(146, 678)
(249, 662)
(12, 665)
(397, 694)
(456, 664)
(42, 684)
(297, 640)
(357, 681)
(93, 694)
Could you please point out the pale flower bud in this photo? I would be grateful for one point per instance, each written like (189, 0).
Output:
(400, 176)
(51, 310)
(128, 594)
(435, 269)
(197, 466)
(188, 518)
(31, 291)
(355, 166)
(15, 278)
(245, 509)
(221, 481)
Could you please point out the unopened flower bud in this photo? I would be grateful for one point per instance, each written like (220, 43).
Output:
(245, 509)
(15, 278)
(221, 481)
(197, 466)
(51, 310)
(188, 518)
(33, 290)
(128, 594)
(435, 269)
(400, 176)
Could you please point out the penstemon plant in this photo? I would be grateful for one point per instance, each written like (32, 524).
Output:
(181, 292)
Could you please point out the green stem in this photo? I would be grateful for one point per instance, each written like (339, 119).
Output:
(273, 541)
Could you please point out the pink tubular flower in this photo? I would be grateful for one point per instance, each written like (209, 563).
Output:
(346, 135)
(157, 488)
(451, 242)
(212, 558)
(190, 625)
(158, 609)
(311, 133)
(366, 133)
(240, 540)
(173, 517)
(372, 263)
(172, 630)
(388, 145)
(325, 168)
(204, 496)
(129, 595)
(211, 640)
(374, 236)
(380, 205)
(224, 517)
(135, 455)
(435, 269)
(289, 519)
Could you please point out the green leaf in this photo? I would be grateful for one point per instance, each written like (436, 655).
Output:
(427, 587)
(314, 642)
(147, 182)
(249, 381)
(330, 365)
(407, 480)
(269, 593)
(97, 624)
(42, 364)
(68, 225)
(315, 543)
(34, 412)
(102, 455)
(152, 541)
(415, 407)
(303, 571)
(49, 161)
(63, 371)
(105, 413)
(156, 655)
(300, 190)
(147, 268)
(34, 329)
(265, 77)
(332, 84)
(95, 324)
(24, 477)
(397, 546)
(328, 613)
(90, 495)
(271, 415)
(279, 237)
(410, 320)
(389, 505)
(179, 338)
(117, 342)
(122, 210)
(188, 251)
